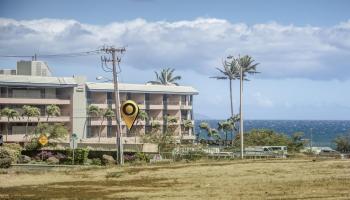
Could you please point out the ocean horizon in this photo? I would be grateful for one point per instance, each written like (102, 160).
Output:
(323, 131)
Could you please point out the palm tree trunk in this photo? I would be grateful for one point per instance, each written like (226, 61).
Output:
(27, 126)
(241, 111)
(231, 101)
(7, 128)
(100, 130)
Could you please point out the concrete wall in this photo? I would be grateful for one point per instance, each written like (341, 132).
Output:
(79, 107)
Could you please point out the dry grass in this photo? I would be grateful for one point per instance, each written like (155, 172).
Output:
(271, 179)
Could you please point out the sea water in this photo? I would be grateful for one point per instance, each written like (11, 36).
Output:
(323, 132)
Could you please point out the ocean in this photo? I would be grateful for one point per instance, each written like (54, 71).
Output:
(323, 131)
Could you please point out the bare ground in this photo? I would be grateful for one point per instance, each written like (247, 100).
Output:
(262, 179)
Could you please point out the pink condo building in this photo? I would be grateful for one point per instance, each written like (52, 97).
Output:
(32, 84)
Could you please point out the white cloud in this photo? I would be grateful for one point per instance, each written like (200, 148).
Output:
(284, 51)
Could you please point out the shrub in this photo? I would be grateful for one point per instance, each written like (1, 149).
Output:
(14, 151)
(96, 161)
(5, 158)
(5, 162)
(80, 156)
(32, 145)
(140, 156)
(343, 143)
(190, 155)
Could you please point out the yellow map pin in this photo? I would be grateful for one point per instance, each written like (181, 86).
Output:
(129, 110)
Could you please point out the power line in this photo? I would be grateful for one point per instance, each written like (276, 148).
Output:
(71, 54)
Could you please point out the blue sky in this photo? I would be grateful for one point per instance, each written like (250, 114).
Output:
(303, 47)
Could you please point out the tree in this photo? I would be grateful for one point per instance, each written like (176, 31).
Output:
(165, 77)
(246, 66)
(105, 114)
(94, 112)
(203, 126)
(343, 143)
(226, 127)
(263, 137)
(28, 112)
(52, 110)
(296, 143)
(10, 114)
(54, 132)
(214, 134)
(171, 124)
(142, 116)
(230, 71)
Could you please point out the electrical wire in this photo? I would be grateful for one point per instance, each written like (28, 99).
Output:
(72, 54)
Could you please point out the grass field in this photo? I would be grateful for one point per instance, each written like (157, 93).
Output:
(261, 179)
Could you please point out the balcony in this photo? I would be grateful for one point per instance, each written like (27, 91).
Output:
(35, 119)
(105, 123)
(156, 104)
(141, 104)
(35, 101)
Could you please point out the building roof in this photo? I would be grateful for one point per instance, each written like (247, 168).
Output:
(47, 81)
(142, 88)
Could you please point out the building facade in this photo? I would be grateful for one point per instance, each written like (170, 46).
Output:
(74, 95)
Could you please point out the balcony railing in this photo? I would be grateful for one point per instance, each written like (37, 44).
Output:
(63, 97)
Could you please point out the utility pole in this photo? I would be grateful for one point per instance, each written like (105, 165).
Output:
(114, 60)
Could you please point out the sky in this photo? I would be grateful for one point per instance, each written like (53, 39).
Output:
(302, 47)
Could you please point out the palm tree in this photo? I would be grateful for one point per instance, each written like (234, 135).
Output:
(230, 71)
(10, 114)
(142, 116)
(213, 133)
(203, 126)
(28, 112)
(246, 66)
(93, 111)
(171, 122)
(52, 110)
(165, 77)
(225, 126)
(105, 114)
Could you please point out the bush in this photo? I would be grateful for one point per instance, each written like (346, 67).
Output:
(32, 145)
(5, 162)
(96, 161)
(14, 151)
(190, 155)
(343, 143)
(5, 158)
(80, 156)
(140, 156)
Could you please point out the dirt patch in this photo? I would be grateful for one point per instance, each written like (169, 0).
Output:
(87, 189)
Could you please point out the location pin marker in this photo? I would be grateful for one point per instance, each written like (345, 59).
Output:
(129, 110)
